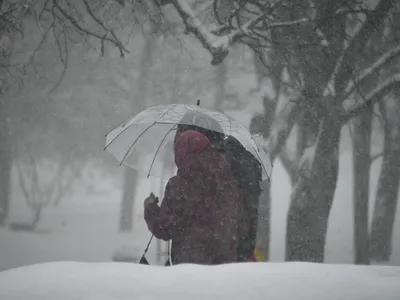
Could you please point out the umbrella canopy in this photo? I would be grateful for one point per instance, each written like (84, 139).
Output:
(145, 142)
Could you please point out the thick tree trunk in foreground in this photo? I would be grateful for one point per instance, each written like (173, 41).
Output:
(5, 170)
(385, 208)
(312, 196)
(361, 174)
(317, 177)
(388, 188)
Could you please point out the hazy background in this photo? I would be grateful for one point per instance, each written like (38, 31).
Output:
(98, 92)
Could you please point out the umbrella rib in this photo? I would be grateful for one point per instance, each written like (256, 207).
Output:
(123, 123)
(261, 162)
(117, 136)
(158, 149)
(165, 112)
(155, 122)
(134, 143)
(119, 124)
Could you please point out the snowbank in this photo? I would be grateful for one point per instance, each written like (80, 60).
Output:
(123, 281)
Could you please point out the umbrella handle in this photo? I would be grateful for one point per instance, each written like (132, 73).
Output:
(147, 249)
(148, 245)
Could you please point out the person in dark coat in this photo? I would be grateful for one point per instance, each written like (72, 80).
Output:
(244, 166)
(202, 212)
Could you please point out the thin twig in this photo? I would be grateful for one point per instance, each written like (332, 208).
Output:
(64, 60)
(73, 22)
(98, 21)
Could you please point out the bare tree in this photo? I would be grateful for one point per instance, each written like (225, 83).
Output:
(11, 13)
(39, 194)
(361, 174)
(388, 183)
(137, 104)
(271, 87)
(54, 19)
(383, 39)
(320, 104)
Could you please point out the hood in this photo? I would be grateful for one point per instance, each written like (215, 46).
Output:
(189, 142)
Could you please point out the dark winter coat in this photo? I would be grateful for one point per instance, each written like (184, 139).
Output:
(202, 211)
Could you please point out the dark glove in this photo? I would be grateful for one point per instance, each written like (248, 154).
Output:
(150, 200)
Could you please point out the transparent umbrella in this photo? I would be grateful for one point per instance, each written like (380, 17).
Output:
(145, 142)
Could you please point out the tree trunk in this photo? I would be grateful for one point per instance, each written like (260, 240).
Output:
(220, 81)
(312, 196)
(5, 169)
(361, 174)
(314, 190)
(128, 197)
(388, 188)
(261, 124)
(131, 175)
(385, 208)
(37, 214)
(264, 219)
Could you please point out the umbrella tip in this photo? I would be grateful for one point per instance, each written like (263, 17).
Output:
(198, 102)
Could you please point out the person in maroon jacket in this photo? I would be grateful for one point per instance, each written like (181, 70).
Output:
(202, 212)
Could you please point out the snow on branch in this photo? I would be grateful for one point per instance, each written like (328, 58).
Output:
(219, 40)
(387, 86)
(218, 46)
(385, 59)
(217, 43)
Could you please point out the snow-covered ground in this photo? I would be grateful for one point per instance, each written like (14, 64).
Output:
(250, 281)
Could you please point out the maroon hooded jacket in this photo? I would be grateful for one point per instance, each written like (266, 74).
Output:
(202, 211)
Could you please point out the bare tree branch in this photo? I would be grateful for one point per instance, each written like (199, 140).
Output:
(389, 85)
(62, 58)
(381, 154)
(376, 156)
(99, 22)
(217, 46)
(219, 40)
(116, 42)
(382, 61)
(359, 41)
